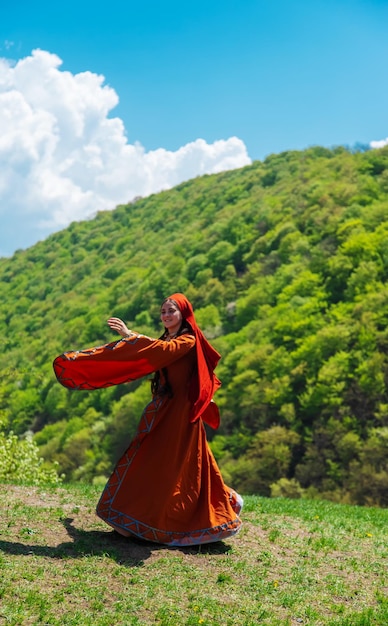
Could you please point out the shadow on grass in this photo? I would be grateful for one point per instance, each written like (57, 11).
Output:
(130, 552)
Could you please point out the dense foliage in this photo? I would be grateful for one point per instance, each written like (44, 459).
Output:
(20, 462)
(286, 263)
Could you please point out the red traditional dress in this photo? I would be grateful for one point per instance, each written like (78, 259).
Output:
(167, 487)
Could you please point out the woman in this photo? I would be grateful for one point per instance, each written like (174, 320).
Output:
(167, 486)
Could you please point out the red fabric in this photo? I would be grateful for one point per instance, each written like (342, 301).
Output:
(204, 383)
(167, 486)
(118, 362)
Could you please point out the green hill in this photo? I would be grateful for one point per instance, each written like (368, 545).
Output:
(294, 562)
(286, 263)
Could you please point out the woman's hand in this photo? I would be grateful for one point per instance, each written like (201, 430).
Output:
(118, 325)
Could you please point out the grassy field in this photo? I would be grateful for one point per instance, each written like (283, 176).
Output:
(294, 562)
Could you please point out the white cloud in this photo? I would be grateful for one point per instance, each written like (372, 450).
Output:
(379, 144)
(62, 158)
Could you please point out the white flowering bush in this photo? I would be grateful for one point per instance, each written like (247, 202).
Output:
(20, 462)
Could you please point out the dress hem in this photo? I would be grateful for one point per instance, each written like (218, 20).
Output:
(130, 526)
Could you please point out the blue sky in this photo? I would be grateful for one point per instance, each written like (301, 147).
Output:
(277, 75)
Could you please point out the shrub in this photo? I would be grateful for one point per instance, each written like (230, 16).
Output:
(20, 462)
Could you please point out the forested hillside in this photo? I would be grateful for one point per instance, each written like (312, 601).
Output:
(286, 263)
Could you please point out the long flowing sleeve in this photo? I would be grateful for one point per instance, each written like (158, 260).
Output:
(118, 362)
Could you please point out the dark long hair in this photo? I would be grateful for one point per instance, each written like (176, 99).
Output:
(184, 329)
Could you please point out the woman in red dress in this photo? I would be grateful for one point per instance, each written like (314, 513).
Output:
(166, 487)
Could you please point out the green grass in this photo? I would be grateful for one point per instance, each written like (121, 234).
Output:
(294, 562)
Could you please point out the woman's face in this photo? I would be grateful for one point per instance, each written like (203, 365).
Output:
(171, 316)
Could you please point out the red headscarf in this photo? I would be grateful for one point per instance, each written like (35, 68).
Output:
(204, 382)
